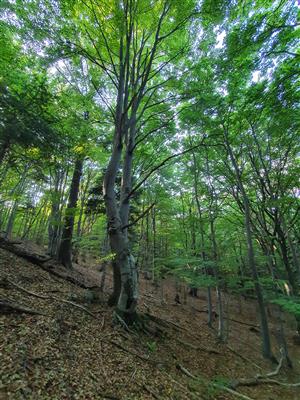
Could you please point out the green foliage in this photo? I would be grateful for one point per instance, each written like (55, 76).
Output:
(289, 304)
(152, 346)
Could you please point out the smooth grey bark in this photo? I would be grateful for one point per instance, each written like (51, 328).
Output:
(131, 71)
(125, 274)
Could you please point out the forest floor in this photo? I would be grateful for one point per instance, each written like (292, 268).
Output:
(68, 352)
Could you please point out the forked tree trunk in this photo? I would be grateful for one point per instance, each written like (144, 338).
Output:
(65, 248)
(125, 273)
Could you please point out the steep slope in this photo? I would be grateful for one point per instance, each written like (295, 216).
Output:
(72, 350)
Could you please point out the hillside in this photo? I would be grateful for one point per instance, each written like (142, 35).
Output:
(68, 352)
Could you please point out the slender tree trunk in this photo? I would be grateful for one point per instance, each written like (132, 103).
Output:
(266, 342)
(4, 148)
(12, 215)
(202, 243)
(54, 221)
(65, 248)
(153, 214)
(11, 219)
(83, 198)
(221, 325)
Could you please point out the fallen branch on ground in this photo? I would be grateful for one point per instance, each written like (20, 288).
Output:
(202, 348)
(229, 319)
(129, 351)
(243, 357)
(150, 391)
(43, 297)
(265, 378)
(45, 262)
(215, 385)
(191, 395)
(8, 306)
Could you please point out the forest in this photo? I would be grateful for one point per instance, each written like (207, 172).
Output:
(149, 199)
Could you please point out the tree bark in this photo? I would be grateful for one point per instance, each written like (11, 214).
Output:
(65, 248)
(266, 342)
(4, 148)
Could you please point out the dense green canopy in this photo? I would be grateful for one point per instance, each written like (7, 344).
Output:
(178, 121)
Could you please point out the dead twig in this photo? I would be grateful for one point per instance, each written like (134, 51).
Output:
(216, 385)
(202, 348)
(243, 357)
(265, 378)
(191, 395)
(130, 351)
(150, 391)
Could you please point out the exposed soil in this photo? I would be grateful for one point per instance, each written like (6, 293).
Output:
(67, 353)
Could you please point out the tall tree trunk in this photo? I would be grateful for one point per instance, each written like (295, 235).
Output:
(153, 215)
(266, 342)
(19, 191)
(117, 216)
(221, 325)
(4, 148)
(65, 248)
(202, 243)
(11, 219)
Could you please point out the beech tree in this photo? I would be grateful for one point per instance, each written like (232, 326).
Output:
(172, 127)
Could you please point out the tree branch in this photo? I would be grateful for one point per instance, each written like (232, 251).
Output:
(140, 217)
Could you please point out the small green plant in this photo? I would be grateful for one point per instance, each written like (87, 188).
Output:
(152, 346)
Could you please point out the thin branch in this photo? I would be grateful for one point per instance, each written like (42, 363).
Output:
(181, 153)
(139, 218)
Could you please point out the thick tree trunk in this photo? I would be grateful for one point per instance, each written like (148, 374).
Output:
(65, 248)
(117, 215)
